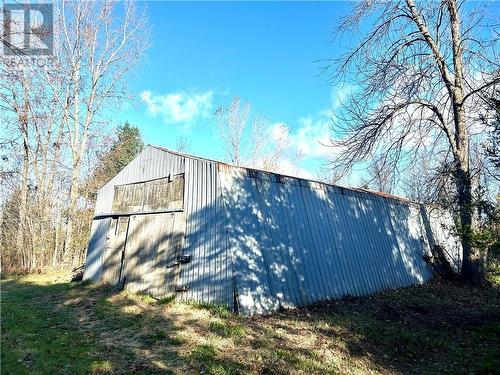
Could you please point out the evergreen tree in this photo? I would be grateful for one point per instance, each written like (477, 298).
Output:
(126, 146)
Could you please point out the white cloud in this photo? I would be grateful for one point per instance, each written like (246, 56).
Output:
(340, 94)
(312, 137)
(179, 107)
(280, 132)
(306, 144)
(289, 168)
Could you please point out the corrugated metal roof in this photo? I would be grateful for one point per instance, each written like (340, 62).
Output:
(223, 165)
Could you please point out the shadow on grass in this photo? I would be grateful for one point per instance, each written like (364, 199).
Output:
(435, 328)
(78, 328)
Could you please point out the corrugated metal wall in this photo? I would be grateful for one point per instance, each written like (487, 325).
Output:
(150, 164)
(95, 250)
(281, 241)
(442, 232)
(296, 242)
(209, 274)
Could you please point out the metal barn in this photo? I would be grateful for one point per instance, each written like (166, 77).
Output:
(252, 240)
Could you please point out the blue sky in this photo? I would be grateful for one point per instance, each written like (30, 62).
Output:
(203, 54)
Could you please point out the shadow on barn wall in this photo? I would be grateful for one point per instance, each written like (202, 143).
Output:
(295, 242)
(269, 241)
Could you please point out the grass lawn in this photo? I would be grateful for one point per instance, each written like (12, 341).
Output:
(52, 326)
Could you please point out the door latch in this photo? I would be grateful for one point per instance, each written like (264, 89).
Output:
(181, 288)
(182, 259)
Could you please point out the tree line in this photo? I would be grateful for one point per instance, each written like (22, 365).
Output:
(51, 140)
(422, 118)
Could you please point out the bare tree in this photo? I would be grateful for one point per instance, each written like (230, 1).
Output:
(100, 42)
(250, 141)
(182, 144)
(33, 124)
(231, 124)
(23, 102)
(429, 184)
(271, 146)
(492, 145)
(297, 157)
(381, 176)
(420, 73)
(50, 119)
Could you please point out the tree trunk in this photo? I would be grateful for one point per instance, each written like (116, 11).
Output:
(55, 255)
(73, 197)
(23, 197)
(471, 265)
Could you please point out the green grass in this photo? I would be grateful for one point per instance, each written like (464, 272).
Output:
(167, 300)
(36, 339)
(208, 356)
(52, 326)
(215, 309)
(226, 328)
(493, 274)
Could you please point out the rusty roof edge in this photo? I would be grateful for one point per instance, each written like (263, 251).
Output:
(359, 190)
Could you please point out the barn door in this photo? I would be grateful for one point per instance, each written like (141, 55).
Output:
(153, 245)
(115, 246)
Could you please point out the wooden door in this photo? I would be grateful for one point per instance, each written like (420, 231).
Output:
(115, 247)
(154, 242)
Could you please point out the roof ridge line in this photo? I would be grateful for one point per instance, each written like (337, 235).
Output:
(362, 190)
